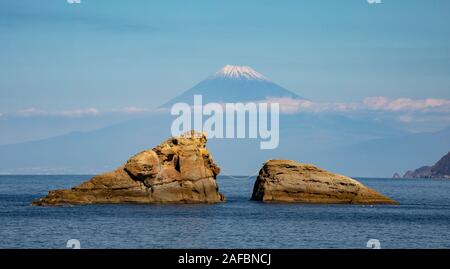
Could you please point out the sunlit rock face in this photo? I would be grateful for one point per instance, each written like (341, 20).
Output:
(293, 182)
(179, 170)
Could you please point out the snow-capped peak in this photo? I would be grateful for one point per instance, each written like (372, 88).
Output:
(239, 72)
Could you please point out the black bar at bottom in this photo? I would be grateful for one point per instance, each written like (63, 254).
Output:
(199, 258)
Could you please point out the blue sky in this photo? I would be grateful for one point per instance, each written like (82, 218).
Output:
(368, 71)
(110, 54)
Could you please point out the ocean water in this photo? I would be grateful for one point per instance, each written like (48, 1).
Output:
(422, 220)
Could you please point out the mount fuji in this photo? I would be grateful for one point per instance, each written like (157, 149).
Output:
(343, 144)
(233, 84)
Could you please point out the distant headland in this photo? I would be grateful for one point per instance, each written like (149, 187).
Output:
(441, 169)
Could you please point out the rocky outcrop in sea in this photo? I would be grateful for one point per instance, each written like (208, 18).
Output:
(179, 170)
(293, 182)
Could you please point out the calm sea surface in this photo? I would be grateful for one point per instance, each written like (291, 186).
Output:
(422, 220)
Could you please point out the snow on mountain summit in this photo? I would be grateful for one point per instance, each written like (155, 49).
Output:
(238, 72)
(233, 84)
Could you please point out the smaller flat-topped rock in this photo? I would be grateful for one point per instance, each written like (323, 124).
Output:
(293, 182)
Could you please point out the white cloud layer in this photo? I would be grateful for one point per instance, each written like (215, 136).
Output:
(404, 110)
(80, 112)
(28, 112)
(407, 104)
(379, 103)
(33, 112)
(132, 110)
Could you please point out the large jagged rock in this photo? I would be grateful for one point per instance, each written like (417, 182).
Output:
(179, 170)
(290, 181)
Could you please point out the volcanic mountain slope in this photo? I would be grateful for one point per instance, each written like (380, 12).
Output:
(233, 84)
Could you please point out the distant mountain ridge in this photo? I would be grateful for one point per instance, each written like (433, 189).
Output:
(344, 145)
(440, 170)
(233, 84)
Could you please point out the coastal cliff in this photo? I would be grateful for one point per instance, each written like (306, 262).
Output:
(179, 170)
(293, 182)
(440, 170)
